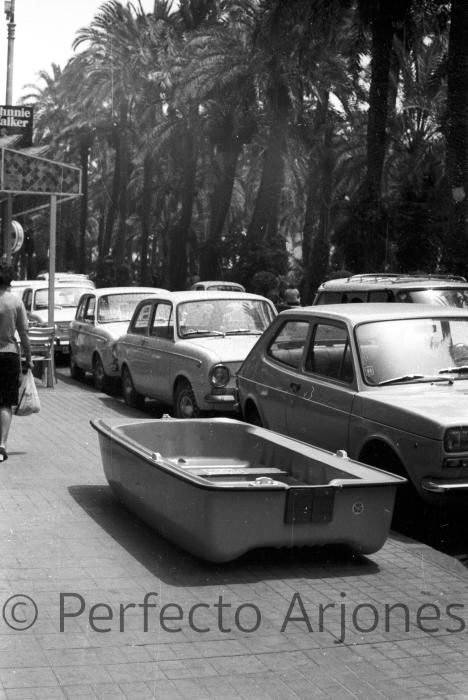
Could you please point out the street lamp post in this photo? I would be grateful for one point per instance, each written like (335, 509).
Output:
(10, 15)
(7, 205)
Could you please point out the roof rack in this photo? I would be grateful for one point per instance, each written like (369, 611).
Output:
(401, 277)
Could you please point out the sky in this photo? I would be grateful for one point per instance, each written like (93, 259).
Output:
(45, 30)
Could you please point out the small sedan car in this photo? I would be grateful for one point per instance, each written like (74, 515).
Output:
(387, 383)
(184, 348)
(102, 316)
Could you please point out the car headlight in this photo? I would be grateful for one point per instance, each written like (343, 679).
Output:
(456, 439)
(219, 375)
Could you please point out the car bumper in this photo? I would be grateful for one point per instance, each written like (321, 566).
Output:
(222, 402)
(444, 486)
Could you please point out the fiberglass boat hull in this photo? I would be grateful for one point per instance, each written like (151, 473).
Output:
(219, 487)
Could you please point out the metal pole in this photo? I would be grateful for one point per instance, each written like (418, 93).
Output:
(8, 217)
(52, 245)
(10, 13)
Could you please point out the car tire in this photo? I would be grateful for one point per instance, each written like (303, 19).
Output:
(131, 396)
(76, 372)
(252, 416)
(410, 510)
(185, 403)
(99, 376)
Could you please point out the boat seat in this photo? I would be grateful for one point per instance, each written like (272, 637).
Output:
(236, 471)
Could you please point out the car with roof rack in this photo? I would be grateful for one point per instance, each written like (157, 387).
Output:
(442, 290)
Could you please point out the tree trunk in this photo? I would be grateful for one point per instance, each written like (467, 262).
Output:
(85, 145)
(112, 208)
(457, 137)
(121, 237)
(318, 248)
(221, 201)
(178, 237)
(145, 277)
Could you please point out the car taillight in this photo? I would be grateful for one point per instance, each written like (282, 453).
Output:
(456, 439)
(219, 375)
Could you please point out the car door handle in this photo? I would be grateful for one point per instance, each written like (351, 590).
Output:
(294, 386)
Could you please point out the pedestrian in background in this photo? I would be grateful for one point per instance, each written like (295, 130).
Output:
(13, 320)
(291, 298)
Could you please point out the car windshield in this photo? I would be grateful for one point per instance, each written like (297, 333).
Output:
(223, 317)
(113, 308)
(63, 297)
(441, 297)
(416, 349)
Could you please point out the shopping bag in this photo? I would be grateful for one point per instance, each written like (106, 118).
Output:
(28, 401)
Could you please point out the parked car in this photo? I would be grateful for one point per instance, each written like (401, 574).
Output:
(184, 348)
(386, 383)
(18, 286)
(217, 285)
(68, 277)
(101, 318)
(66, 298)
(419, 289)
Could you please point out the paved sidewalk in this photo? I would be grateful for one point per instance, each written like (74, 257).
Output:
(274, 624)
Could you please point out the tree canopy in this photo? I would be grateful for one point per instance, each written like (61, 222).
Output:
(226, 138)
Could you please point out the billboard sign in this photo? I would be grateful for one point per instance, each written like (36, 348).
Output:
(17, 120)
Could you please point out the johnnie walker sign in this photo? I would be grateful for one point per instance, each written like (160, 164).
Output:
(17, 120)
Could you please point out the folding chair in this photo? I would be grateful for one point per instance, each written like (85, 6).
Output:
(41, 339)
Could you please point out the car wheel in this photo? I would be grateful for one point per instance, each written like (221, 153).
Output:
(131, 396)
(185, 403)
(252, 415)
(76, 372)
(410, 510)
(99, 376)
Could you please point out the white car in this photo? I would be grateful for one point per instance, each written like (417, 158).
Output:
(66, 298)
(102, 316)
(217, 285)
(184, 349)
(18, 286)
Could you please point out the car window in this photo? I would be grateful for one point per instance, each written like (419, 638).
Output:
(329, 353)
(441, 297)
(63, 297)
(382, 295)
(27, 299)
(407, 347)
(162, 320)
(118, 308)
(90, 311)
(354, 297)
(329, 298)
(142, 318)
(81, 309)
(288, 344)
(223, 317)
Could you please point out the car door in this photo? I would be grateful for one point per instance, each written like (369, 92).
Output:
(77, 331)
(135, 350)
(161, 350)
(277, 374)
(87, 333)
(321, 397)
